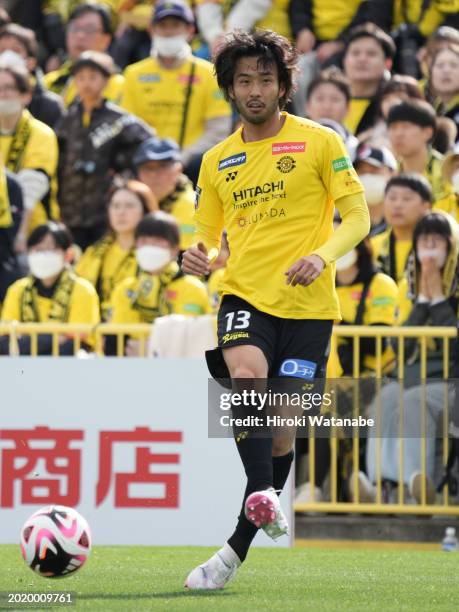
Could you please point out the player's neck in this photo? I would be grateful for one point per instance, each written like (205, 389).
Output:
(252, 132)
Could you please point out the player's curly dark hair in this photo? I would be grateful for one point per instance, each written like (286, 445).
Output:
(269, 47)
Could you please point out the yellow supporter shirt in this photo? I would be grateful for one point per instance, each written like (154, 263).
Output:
(83, 306)
(157, 96)
(381, 253)
(142, 298)
(104, 266)
(180, 205)
(61, 82)
(332, 17)
(34, 146)
(276, 199)
(357, 108)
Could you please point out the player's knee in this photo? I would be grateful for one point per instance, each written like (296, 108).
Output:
(246, 371)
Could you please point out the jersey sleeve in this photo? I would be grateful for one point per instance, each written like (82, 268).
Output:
(11, 306)
(208, 215)
(337, 172)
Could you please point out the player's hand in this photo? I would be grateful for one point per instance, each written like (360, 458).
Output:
(305, 271)
(195, 260)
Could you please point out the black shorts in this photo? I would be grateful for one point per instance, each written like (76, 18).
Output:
(294, 348)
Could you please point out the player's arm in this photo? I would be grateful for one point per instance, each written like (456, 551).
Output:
(209, 226)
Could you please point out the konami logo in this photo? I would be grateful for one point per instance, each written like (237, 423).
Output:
(288, 147)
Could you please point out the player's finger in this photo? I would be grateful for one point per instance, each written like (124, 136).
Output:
(194, 266)
(292, 271)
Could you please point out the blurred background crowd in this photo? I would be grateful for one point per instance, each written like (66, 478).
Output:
(106, 109)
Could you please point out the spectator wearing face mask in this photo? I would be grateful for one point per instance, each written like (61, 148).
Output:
(429, 297)
(159, 287)
(408, 197)
(177, 93)
(112, 259)
(50, 293)
(411, 128)
(88, 29)
(29, 150)
(451, 175)
(375, 167)
(158, 165)
(18, 46)
(327, 102)
(96, 140)
(444, 83)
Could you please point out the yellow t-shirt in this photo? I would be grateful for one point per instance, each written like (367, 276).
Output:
(142, 298)
(380, 246)
(157, 96)
(83, 306)
(40, 153)
(332, 17)
(181, 206)
(275, 197)
(105, 270)
(61, 82)
(357, 108)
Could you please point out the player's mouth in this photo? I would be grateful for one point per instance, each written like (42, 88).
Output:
(255, 106)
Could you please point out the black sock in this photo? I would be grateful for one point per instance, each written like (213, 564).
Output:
(281, 470)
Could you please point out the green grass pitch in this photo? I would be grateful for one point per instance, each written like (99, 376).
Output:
(151, 578)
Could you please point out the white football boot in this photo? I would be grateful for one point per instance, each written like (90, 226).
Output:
(263, 509)
(216, 572)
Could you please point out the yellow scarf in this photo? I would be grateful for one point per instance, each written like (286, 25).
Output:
(6, 219)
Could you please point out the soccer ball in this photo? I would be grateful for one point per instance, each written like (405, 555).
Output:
(55, 541)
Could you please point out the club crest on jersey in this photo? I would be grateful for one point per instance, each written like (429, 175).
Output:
(234, 160)
(231, 176)
(286, 164)
(288, 147)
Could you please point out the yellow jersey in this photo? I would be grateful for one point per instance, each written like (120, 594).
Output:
(79, 304)
(61, 82)
(157, 96)
(142, 298)
(105, 264)
(276, 199)
(180, 204)
(33, 145)
(382, 255)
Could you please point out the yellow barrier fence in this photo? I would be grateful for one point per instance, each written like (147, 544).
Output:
(95, 336)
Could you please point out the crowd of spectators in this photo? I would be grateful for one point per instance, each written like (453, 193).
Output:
(106, 109)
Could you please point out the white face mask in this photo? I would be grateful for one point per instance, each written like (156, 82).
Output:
(374, 185)
(455, 182)
(438, 254)
(170, 46)
(346, 261)
(152, 258)
(45, 264)
(13, 59)
(10, 107)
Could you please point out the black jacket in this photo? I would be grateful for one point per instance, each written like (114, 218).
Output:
(90, 156)
(9, 268)
(46, 105)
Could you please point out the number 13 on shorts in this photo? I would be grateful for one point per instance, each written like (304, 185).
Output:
(237, 320)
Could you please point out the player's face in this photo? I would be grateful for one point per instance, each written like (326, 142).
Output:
(256, 90)
(327, 101)
(403, 207)
(124, 211)
(407, 138)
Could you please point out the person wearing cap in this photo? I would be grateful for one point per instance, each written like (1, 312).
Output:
(175, 92)
(159, 287)
(375, 167)
(411, 127)
(96, 140)
(88, 29)
(158, 165)
(450, 171)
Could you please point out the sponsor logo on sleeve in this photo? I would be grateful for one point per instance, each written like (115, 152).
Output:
(234, 160)
(278, 148)
(342, 163)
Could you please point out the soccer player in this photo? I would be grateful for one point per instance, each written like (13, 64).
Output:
(273, 185)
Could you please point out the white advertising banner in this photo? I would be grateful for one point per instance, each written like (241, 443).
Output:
(125, 442)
